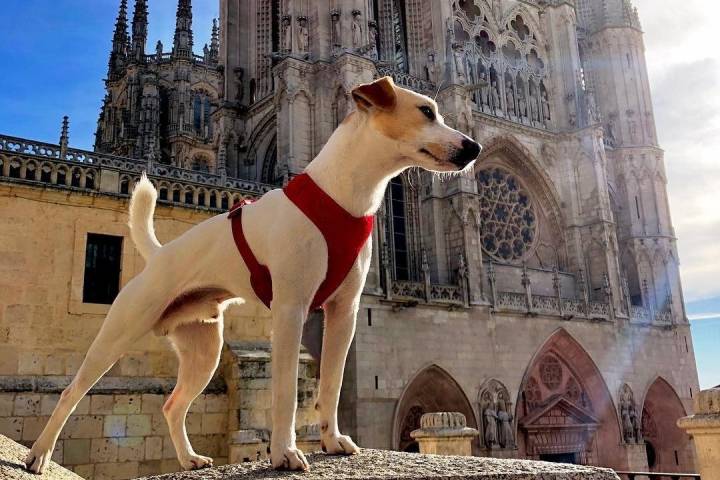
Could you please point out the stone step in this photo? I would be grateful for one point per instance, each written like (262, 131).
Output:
(12, 466)
(386, 465)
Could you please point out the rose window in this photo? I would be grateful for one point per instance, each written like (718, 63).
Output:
(509, 223)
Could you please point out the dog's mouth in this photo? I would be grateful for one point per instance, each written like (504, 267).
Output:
(428, 153)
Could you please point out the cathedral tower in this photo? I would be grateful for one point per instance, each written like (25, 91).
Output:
(615, 69)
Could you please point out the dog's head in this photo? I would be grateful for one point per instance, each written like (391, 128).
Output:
(413, 123)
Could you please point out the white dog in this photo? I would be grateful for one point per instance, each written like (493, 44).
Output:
(188, 282)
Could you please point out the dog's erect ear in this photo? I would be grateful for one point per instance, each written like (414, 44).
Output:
(379, 94)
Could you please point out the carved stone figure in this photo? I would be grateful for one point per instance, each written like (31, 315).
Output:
(495, 96)
(372, 36)
(303, 35)
(506, 436)
(534, 110)
(628, 430)
(545, 106)
(335, 30)
(637, 430)
(432, 67)
(490, 419)
(510, 98)
(356, 28)
(158, 51)
(286, 34)
(485, 90)
(593, 115)
(522, 104)
(459, 62)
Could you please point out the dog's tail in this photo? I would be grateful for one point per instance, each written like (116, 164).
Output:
(142, 209)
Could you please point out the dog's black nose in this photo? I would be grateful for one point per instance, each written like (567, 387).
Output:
(469, 152)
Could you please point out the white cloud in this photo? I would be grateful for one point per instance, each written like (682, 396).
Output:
(684, 67)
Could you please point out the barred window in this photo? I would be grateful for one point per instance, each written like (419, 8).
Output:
(509, 223)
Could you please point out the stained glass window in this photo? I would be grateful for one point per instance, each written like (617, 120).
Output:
(509, 222)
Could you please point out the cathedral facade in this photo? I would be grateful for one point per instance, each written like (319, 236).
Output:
(539, 296)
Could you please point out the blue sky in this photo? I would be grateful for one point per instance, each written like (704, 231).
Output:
(54, 58)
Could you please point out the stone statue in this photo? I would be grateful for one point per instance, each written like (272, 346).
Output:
(303, 35)
(636, 424)
(510, 98)
(286, 34)
(593, 115)
(373, 35)
(522, 104)
(610, 132)
(432, 67)
(628, 430)
(495, 96)
(335, 31)
(545, 106)
(506, 436)
(534, 110)
(158, 51)
(356, 27)
(484, 89)
(459, 62)
(491, 420)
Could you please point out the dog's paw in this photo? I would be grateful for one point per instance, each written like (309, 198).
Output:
(196, 462)
(288, 459)
(339, 445)
(38, 459)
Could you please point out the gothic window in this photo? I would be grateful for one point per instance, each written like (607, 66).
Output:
(201, 115)
(471, 10)
(509, 222)
(397, 229)
(486, 46)
(200, 164)
(519, 27)
(399, 25)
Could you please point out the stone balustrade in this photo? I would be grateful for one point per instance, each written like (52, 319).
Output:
(444, 433)
(704, 427)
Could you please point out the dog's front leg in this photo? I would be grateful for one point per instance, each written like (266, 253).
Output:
(287, 324)
(340, 318)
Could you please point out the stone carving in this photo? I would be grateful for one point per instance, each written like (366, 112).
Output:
(545, 105)
(459, 62)
(335, 28)
(303, 34)
(631, 425)
(593, 115)
(432, 68)
(286, 34)
(495, 97)
(551, 372)
(510, 97)
(373, 37)
(496, 408)
(356, 28)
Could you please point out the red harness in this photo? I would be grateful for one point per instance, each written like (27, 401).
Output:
(344, 235)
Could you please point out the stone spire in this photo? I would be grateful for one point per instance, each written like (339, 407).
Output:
(183, 42)
(64, 137)
(139, 30)
(118, 55)
(215, 42)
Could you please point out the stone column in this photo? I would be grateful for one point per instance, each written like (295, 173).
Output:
(445, 433)
(704, 427)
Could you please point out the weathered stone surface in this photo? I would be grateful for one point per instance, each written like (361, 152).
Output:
(382, 464)
(12, 467)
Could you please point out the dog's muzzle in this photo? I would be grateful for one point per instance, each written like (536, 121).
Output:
(469, 152)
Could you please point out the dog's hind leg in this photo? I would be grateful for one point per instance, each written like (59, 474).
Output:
(131, 316)
(198, 347)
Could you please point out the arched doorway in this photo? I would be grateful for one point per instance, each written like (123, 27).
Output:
(432, 390)
(565, 411)
(668, 447)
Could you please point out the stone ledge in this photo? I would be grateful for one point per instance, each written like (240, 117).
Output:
(386, 465)
(12, 456)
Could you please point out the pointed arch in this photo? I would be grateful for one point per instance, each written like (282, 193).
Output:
(431, 389)
(669, 447)
(562, 379)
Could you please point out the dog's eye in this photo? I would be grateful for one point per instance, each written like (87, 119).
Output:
(428, 112)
